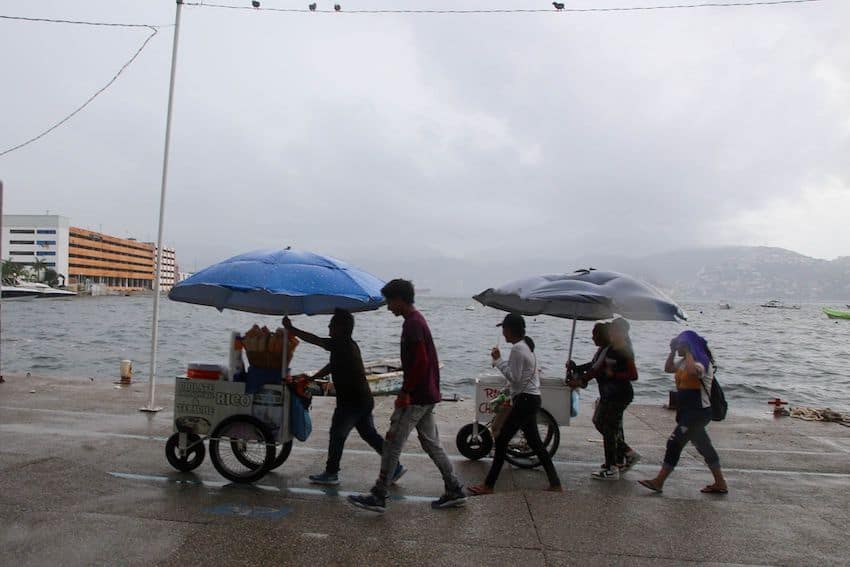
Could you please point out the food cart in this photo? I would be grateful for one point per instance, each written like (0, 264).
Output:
(247, 425)
(250, 417)
(475, 440)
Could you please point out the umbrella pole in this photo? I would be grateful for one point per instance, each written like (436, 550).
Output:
(572, 340)
(283, 434)
(155, 326)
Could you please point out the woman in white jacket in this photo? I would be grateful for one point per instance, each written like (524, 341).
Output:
(520, 370)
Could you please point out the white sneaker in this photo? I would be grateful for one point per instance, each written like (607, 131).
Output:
(612, 473)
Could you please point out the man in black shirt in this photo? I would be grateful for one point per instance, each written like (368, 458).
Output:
(354, 401)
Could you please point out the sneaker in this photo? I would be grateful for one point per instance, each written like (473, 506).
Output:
(611, 473)
(399, 472)
(452, 499)
(370, 502)
(631, 460)
(326, 478)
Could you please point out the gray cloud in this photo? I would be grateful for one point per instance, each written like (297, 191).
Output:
(407, 141)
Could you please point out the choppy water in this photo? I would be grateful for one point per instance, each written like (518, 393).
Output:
(800, 356)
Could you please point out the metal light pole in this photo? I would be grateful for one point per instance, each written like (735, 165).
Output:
(155, 327)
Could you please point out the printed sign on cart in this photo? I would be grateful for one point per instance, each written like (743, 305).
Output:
(199, 405)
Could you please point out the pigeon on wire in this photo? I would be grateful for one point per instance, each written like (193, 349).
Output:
(255, 3)
(558, 5)
(337, 7)
(312, 7)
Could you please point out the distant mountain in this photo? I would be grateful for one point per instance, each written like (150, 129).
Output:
(743, 273)
(733, 273)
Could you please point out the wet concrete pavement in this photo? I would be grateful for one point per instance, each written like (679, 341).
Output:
(84, 481)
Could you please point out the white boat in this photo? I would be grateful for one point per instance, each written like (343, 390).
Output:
(776, 304)
(44, 291)
(724, 305)
(13, 292)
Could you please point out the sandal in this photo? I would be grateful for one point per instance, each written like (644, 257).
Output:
(714, 489)
(479, 490)
(650, 485)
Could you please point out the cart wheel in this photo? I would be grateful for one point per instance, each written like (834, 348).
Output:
(242, 448)
(521, 455)
(255, 461)
(191, 458)
(282, 455)
(472, 447)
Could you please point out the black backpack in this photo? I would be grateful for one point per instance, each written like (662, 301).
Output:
(719, 407)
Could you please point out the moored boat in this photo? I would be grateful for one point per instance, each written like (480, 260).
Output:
(13, 292)
(44, 291)
(385, 378)
(836, 313)
(32, 290)
(776, 304)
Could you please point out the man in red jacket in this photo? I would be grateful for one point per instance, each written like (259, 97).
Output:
(414, 407)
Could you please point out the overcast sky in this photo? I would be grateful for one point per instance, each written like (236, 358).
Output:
(487, 137)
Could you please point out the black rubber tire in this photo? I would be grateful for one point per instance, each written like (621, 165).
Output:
(194, 454)
(261, 436)
(525, 458)
(473, 448)
(283, 451)
(282, 454)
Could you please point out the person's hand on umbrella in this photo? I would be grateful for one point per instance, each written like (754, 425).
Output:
(496, 353)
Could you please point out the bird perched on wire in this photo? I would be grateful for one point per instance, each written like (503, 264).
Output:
(255, 3)
(312, 7)
(558, 5)
(337, 7)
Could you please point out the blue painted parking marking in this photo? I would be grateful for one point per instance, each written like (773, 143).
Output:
(331, 492)
(244, 511)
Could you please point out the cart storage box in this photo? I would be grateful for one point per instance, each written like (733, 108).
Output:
(200, 405)
(554, 393)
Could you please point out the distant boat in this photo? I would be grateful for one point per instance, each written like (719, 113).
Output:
(776, 304)
(470, 308)
(724, 305)
(836, 314)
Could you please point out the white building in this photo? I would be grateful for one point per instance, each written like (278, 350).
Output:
(168, 277)
(26, 238)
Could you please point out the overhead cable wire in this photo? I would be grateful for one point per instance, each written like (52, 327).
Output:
(564, 10)
(153, 29)
(82, 22)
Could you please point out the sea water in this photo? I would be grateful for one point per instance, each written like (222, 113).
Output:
(797, 355)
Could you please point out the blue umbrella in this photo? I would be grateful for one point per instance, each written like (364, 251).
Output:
(587, 295)
(281, 282)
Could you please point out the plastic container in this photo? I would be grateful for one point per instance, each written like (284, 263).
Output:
(203, 371)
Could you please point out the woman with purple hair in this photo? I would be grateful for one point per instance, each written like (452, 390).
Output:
(694, 371)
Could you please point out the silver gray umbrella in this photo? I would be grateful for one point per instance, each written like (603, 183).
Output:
(586, 295)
